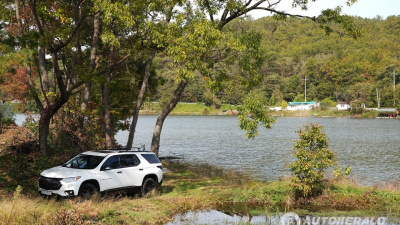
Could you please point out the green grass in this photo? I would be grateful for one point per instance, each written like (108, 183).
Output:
(370, 114)
(188, 109)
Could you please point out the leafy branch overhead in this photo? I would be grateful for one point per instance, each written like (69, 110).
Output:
(253, 114)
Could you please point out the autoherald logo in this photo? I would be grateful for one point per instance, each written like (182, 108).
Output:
(292, 218)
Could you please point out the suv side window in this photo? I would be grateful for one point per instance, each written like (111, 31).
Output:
(112, 162)
(151, 158)
(136, 160)
(129, 160)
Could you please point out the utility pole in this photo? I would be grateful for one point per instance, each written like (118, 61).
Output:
(305, 88)
(394, 88)
(378, 98)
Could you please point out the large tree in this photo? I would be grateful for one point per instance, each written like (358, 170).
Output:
(202, 58)
(64, 37)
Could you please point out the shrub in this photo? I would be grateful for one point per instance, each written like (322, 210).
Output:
(327, 103)
(7, 121)
(211, 100)
(313, 158)
(31, 106)
(6, 116)
(357, 107)
(370, 114)
(284, 104)
(340, 174)
(205, 111)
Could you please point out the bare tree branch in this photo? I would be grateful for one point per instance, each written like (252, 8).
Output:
(209, 10)
(286, 14)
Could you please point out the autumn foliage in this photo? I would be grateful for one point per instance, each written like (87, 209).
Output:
(14, 85)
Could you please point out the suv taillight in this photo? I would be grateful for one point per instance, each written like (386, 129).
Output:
(160, 167)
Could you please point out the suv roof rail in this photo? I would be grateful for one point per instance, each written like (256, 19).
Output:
(125, 149)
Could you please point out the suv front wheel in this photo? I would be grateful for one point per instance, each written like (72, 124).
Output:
(149, 186)
(87, 190)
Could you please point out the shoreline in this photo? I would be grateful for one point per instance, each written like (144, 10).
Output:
(200, 109)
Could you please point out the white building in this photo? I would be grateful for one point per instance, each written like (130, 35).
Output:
(277, 108)
(292, 106)
(343, 106)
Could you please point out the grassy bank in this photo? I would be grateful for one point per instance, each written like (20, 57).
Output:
(201, 187)
(201, 109)
(190, 109)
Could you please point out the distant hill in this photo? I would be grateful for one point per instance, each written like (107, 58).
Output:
(336, 66)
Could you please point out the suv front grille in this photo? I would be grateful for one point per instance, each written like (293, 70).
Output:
(49, 183)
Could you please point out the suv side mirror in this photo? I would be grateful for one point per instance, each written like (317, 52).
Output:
(106, 168)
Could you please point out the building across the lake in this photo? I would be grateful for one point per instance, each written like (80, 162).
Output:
(387, 113)
(343, 106)
(276, 108)
(302, 105)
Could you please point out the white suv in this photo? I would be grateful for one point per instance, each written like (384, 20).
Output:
(103, 170)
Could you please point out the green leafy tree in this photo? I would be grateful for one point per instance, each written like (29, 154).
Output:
(272, 100)
(253, 114)
(313, 157)
(357, 107)
(327, 103)
(69, 34)
(299, 98)
(284, 104)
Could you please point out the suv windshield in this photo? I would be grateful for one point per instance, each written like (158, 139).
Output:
(84, 162)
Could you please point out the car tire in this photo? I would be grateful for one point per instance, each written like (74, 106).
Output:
(87, 190)
(149, 186)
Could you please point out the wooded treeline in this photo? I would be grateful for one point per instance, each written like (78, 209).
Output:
(337, 66)
(90, 64)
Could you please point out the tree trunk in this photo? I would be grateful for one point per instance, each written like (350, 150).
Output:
(155, 142)
(107, 117)
(44, 120)
(43, 70)
(17, 14)
(140, 99)
(92, 64)
(44, 124)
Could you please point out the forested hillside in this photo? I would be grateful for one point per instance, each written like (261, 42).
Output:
(336, 66)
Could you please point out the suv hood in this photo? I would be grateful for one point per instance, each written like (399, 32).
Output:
(63, 172)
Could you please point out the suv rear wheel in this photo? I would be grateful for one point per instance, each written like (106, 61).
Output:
(149, 186)
(87, 190)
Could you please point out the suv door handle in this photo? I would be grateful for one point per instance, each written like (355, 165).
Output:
(140, 169)
(119, 172)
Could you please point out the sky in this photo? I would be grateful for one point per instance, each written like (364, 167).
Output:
(363, 8)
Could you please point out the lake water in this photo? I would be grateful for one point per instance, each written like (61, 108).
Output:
(370, 146)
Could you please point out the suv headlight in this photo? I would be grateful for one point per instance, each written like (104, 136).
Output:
(70, 179)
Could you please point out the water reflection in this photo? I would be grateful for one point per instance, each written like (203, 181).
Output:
(290, 218)
(218, 217)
